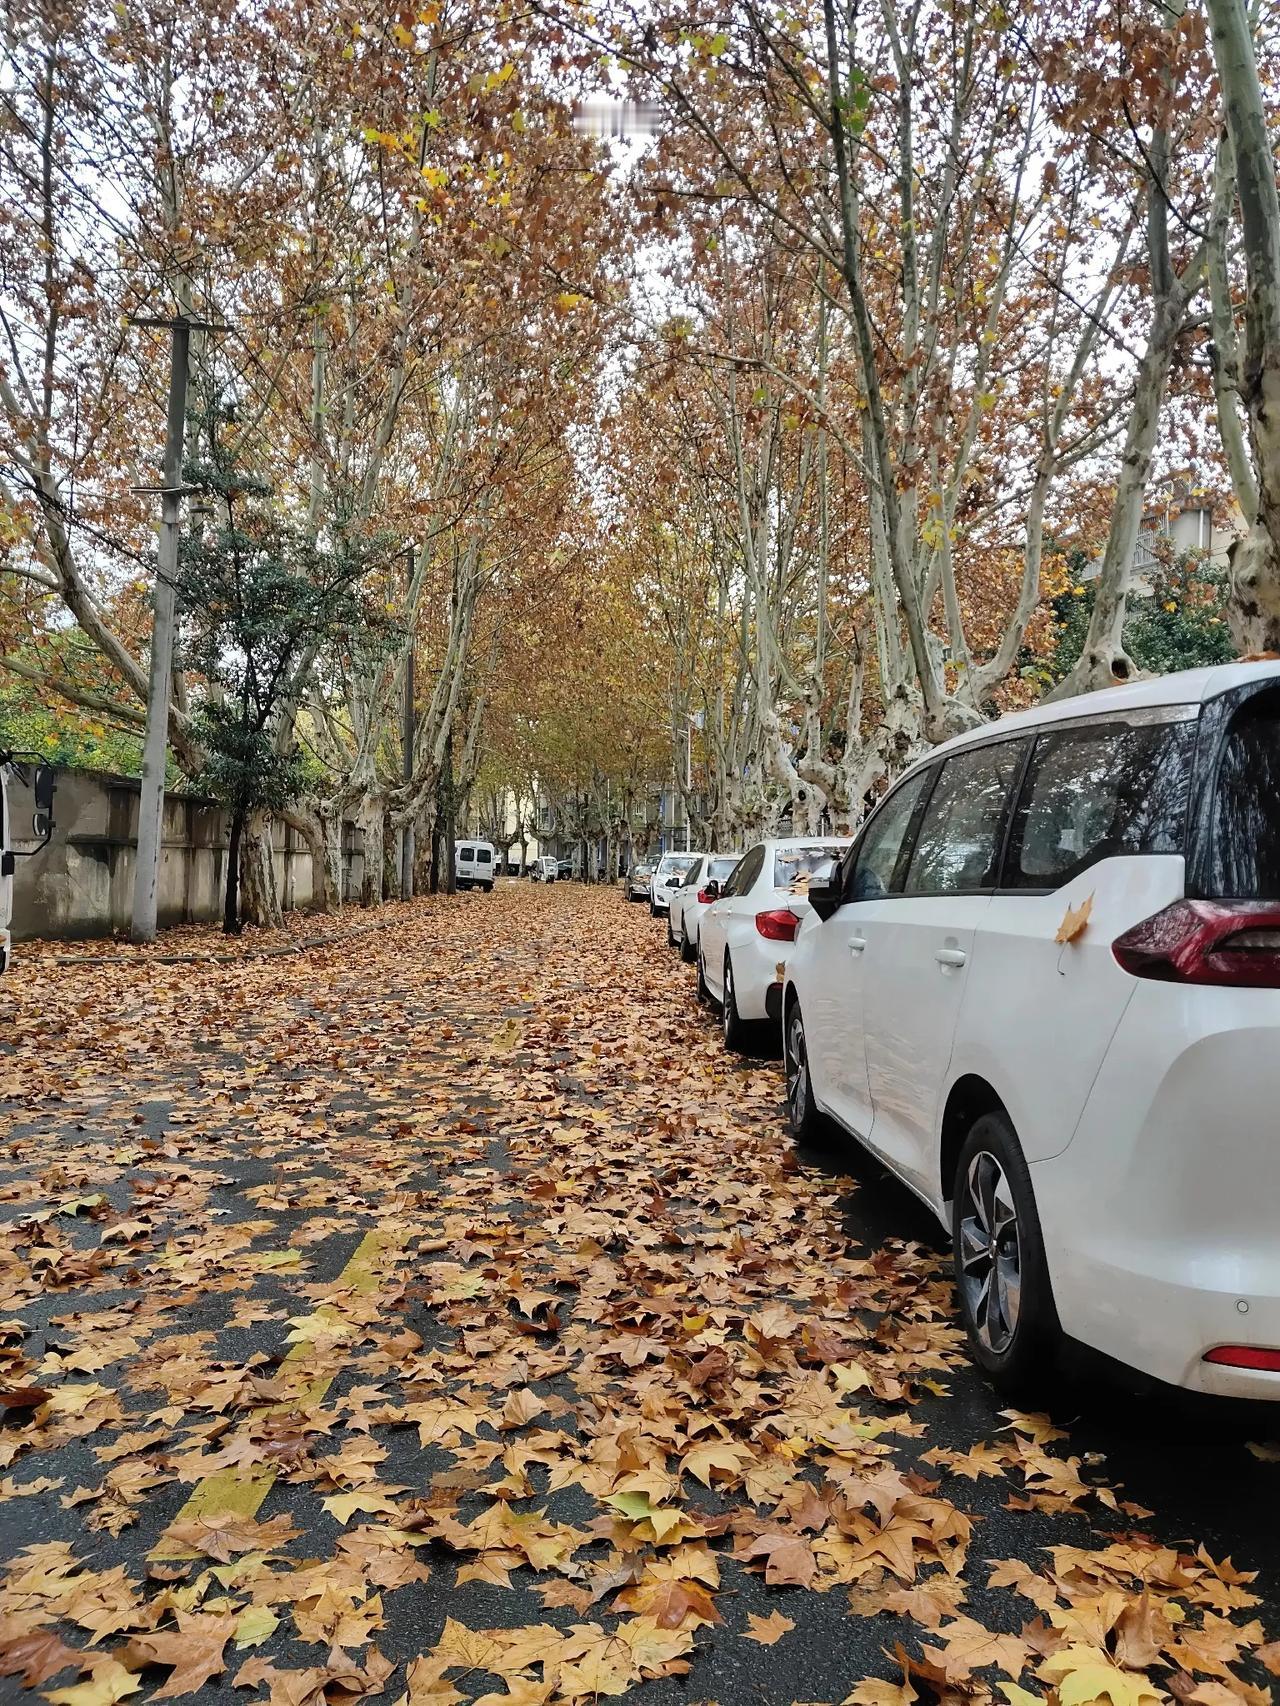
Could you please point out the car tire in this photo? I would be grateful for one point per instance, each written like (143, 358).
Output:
(733, 1026)
(653, 908)
(688, 949)
(1001, 1274)
(808, 1124)
(705, 997)
(487, 887)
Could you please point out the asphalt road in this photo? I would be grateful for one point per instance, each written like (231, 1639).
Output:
(433, 1084)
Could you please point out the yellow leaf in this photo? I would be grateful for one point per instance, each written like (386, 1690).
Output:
(110, 1682)
(255, 1624)
(1074, 921)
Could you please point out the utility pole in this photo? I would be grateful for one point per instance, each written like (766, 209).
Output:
(146, 871)
(406, 834)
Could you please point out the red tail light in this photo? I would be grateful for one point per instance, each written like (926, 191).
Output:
(706, 897)
(1234, 942)
(1244, 1356)
(779, 925)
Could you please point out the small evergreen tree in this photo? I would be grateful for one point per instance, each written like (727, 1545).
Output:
(1182, 624)
(259, 604)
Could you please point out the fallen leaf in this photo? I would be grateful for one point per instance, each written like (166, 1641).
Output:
(1074, 921)
(767, 1630)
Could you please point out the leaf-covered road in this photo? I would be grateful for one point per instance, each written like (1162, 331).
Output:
(445, 1317)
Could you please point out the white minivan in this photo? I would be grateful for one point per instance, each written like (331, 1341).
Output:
(475, 864)
(1043, 987)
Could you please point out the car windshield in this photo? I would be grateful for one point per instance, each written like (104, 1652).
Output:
(793, 866)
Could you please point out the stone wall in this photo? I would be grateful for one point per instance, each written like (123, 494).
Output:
(81, 884)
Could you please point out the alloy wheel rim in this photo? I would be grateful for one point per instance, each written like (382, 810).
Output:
(990, 1257)
(797, 1091)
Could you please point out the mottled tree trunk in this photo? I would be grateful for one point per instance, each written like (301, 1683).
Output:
(1255, 565)
(371, 817)
(260, 899)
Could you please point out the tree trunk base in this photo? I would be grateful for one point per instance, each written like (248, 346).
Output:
(259, 897)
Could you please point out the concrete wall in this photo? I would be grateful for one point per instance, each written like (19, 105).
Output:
(81, 884)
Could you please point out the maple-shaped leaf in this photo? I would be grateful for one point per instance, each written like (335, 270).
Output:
(767, 1630)
(109, 1682)
(671, 1603)
(34, 1655)
(1085, 1675)
(789, 1559)
(1074, 920)
(522, 1406)
(970, 1646)
(223, 1534)
(722, 1455)
(872, 1692)
(193, 1651)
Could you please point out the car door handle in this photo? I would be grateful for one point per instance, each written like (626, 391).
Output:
(857, 944)
(950, 956)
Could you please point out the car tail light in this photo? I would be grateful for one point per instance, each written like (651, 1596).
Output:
(1206, 941)
(706, 898)
(779, 924)
(1245, 1356)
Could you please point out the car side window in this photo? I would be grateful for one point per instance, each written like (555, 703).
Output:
(958, 848)
(1095, 792)
(876, 862)
(745, 872)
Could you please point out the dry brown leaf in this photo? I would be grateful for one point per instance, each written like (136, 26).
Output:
(767, 1630)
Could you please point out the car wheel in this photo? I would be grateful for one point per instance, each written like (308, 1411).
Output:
(735, 1031)
(1002, 1278)
(487, 887)
(688, 949)
(704, 988)
(806, 1122)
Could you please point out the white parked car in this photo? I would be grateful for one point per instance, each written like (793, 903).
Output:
(640, 879)
(475, 864)
(1044, 989)
(692, 898)
(545, 869)
(668, 874)
(747, 930)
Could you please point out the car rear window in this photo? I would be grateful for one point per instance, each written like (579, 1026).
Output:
(1099, 792)
(671, 866)
(466, 853)
(797, 864)
(1244, 839)
(719, 869)
(483, 855)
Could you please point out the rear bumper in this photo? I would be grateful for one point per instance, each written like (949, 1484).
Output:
(755, 975)
(1159, 1217)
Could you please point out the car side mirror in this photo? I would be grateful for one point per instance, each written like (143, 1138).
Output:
(825, 898)
(712, 890)
(43, 786)
(674, 882)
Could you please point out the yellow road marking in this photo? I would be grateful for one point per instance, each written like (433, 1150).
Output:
(240, 1492)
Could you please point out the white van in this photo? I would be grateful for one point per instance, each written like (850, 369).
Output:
(1043, 987)
(39, 778)
(475, 864)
